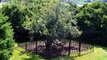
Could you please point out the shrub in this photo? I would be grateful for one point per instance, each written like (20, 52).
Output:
(6, 38)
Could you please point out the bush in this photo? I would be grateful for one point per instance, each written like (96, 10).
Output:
(6, 38)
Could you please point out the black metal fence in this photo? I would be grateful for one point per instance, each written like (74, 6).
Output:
(58, 49)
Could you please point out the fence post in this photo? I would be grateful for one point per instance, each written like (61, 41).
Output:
(26, 45)
(79, 45)
(69, 47)
(36, 46)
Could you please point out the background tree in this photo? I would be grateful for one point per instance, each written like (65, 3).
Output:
(6, 38)
(16, 14)
(92, 20)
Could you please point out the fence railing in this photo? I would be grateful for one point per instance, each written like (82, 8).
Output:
(58, 50)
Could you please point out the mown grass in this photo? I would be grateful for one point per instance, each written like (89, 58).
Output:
(18, 55)
(100, 53)
(21, 54)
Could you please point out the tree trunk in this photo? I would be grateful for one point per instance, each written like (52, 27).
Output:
(48, 45)
(69, 47)
(26, 45)
(79, 46)
(48, 48)
(36, 46)
(31, 37)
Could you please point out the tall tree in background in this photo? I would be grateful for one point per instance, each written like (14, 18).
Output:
(94, 17)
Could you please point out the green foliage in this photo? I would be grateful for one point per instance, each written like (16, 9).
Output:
(51, 18)
(16, 14)
(6, 38)
(93, 17)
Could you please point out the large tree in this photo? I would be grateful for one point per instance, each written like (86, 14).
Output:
(6, 38)
(93, 19)
(16, 14)
(53, 19)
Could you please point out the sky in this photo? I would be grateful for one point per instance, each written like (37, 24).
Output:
(82, 2)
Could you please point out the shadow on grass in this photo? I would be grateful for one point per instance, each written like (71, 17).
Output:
(31, 56)
(103, 47)
(63, 58)
(37, 57)
(34, 57)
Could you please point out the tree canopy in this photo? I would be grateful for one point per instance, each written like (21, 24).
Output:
(6, 38)
(54, 19)
(94, 17)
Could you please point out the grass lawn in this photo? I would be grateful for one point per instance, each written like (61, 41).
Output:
(21, 54)
(17, 54)
(100, 53)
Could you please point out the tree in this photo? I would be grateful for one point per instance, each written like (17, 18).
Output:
(6, 38)
(16, 14)
(38, 18)
(93, 17)
(52, 19)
